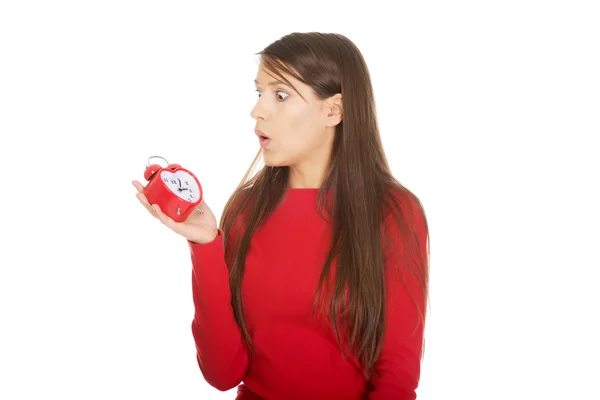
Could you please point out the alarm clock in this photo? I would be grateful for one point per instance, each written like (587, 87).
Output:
(175, 189)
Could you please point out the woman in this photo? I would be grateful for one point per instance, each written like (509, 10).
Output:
(314, 284)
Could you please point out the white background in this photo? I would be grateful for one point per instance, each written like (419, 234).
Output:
(489, 112)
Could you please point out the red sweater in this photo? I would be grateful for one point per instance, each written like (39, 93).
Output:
(296, 356)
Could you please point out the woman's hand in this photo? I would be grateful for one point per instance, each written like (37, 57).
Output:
(199, 227)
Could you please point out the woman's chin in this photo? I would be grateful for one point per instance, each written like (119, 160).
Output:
(271, 161)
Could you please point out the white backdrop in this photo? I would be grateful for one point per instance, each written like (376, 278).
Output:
(488, 113)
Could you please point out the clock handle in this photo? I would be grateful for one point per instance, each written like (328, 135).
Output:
(151, 157)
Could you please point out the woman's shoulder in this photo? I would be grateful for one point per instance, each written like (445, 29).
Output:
(404, 215)
(400, 200)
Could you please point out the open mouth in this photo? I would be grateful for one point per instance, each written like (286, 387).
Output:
(264, 141)
(262, 138)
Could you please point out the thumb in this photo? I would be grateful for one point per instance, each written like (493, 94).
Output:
(202, 206)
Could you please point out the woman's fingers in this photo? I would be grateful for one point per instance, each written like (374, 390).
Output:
(165, 219)
(143, 199)
(138, 186)
(159, 214)
(155, 211)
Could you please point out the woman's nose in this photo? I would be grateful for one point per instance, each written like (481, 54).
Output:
(258, 111)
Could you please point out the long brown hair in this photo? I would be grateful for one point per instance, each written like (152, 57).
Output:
(364, 193)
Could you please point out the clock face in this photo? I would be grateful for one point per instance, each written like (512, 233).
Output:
(182, 184)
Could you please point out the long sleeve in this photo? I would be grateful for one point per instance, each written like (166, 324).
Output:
(397, 372)
(221, 351)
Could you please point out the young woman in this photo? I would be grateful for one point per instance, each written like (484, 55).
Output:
(314, 284)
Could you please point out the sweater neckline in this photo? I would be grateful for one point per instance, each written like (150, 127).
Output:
(302, 191)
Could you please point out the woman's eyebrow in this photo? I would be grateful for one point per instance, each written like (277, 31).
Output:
(271, 83)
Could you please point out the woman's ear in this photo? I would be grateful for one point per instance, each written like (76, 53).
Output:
(334, 110)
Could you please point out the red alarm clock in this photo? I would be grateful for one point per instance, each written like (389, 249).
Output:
(175, 189)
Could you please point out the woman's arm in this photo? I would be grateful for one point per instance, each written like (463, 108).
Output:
(397, 372)
(220, 349)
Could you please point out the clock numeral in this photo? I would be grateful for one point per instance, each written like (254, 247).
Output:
(173, 181)
(187, 183)
(165, 179)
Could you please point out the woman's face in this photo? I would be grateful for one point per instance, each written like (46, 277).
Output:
(299, 130)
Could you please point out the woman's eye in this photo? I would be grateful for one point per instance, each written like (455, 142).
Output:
(281, 95)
